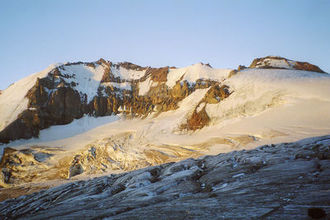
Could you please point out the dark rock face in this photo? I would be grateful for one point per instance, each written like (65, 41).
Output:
(45, 109)
(241, 67)
(316, 213)
(131, 66)
(216, 93)
(25, 126)
(158, 74)
(64, 105)
(307, 67)
(283, 181)
(199, 118)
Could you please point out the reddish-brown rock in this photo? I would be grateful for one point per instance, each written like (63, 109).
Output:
(260, 63)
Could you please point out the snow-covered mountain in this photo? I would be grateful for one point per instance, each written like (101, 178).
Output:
(74, 120)
(64, 92)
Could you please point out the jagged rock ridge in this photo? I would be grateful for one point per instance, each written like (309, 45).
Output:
(62, 96)
(284, 181)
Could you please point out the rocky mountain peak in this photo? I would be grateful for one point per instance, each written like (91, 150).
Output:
(277, 62)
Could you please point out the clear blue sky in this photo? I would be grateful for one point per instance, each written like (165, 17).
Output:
(36, 33)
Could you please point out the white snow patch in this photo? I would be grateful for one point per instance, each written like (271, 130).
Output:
(77, 126)
(122, 86)
(238, 175)
(144, 86)
(219, 187)
(195, 72)
(58, 132)
(127, 74)
(87, 78)
(278, 63)
(256, 90)
(200, 107)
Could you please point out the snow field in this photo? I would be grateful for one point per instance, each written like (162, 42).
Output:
(194, 72)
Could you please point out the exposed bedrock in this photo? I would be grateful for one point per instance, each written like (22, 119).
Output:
(283, 181)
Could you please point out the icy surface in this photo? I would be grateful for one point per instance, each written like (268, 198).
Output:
(256, 90)
(123, 85)
(78, 126)
(127, 74)
(277, 63)
(194, 72)
(86, 78)
(144, 86)
(58, 132)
